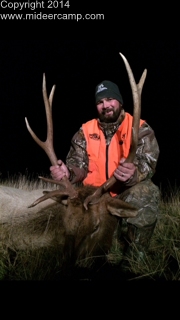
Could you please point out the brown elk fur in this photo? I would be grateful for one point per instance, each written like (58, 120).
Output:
(64, 223)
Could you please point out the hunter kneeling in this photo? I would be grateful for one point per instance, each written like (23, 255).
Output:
(101, 149)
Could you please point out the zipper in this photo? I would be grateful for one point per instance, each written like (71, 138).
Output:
(107, 147)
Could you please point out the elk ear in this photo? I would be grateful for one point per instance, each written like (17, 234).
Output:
(121, 208)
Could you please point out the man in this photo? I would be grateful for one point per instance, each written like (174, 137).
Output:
(98, 151)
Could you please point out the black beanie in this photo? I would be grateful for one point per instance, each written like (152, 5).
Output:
(107, 89)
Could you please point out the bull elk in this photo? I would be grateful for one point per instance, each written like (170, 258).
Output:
(91, 214)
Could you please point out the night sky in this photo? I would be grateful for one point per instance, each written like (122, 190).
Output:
(76, 65)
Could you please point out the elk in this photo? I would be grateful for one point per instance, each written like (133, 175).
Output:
(80, 220)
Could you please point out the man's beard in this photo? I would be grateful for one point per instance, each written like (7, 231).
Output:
(105, 117)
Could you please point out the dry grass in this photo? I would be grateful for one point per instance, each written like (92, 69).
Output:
(25, 182)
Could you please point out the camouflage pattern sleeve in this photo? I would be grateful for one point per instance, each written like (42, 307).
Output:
(147, 155)
(77, 159)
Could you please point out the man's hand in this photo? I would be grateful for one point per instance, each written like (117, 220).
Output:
(59, 171)
(124, 171)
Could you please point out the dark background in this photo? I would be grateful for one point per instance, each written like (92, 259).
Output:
(76, 65)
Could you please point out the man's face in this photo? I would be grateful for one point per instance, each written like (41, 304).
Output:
(108, 109)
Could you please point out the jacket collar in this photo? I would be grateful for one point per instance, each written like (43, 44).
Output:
(111, 128)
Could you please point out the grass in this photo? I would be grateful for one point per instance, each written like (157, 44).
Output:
(162, 261)
(25, 181)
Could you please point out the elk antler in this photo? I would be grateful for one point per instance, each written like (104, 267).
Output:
(136, 93)
(47, 145)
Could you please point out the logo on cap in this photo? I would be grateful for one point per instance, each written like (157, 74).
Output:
(100, 88)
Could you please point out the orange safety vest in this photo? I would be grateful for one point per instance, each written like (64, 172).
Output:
(104, 158)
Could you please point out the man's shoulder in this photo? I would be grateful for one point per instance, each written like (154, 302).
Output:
(146, 130)
(90, 126)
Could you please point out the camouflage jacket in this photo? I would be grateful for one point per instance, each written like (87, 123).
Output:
(145, 160)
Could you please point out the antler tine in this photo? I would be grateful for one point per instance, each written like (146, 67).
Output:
(66, 183)
(51, 96)
(47, 145)
(136, 88)
(136, 93)
(136, 118)
(48, 195)
(48, 108)
(141, 81)
(131, 80)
